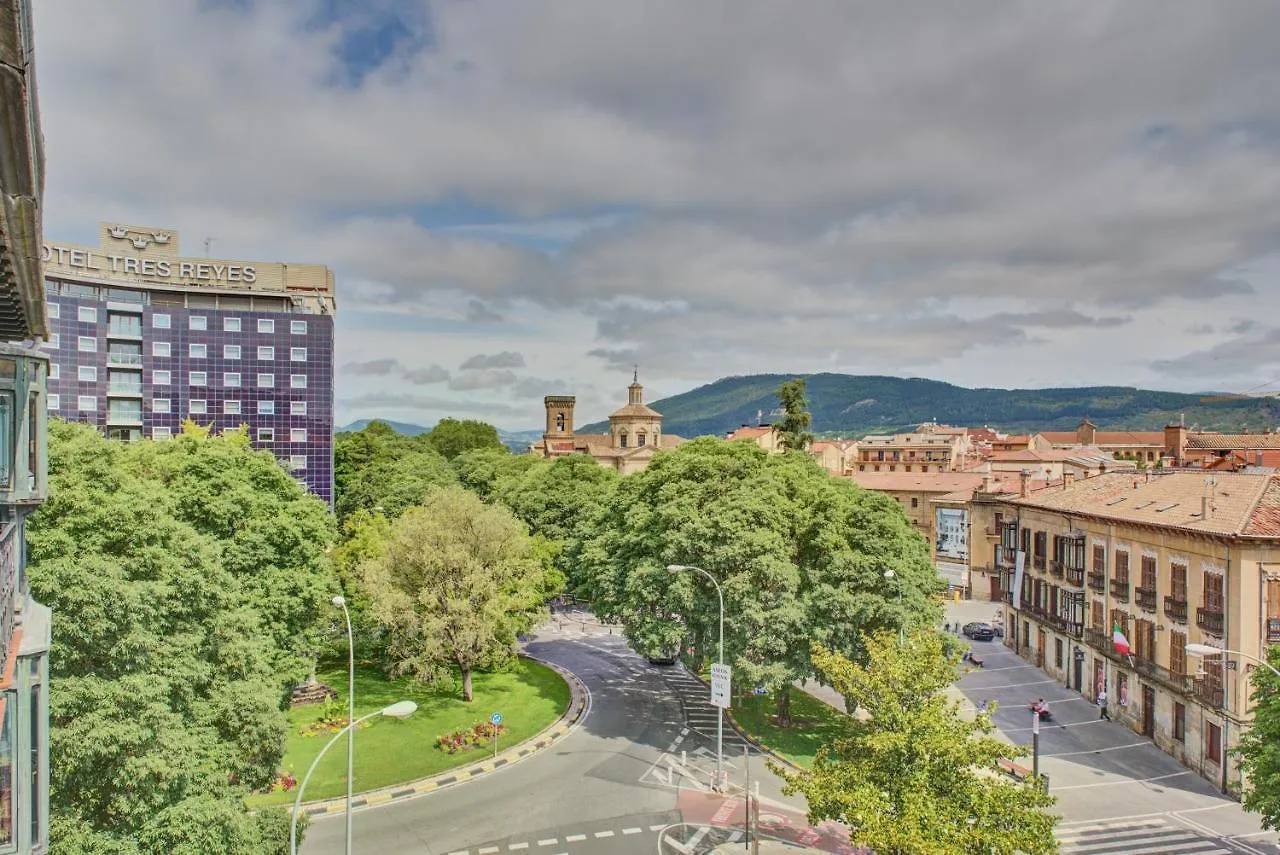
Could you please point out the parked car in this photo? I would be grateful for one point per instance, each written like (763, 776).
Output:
(981, 632)
(663, 657)
(970, 627)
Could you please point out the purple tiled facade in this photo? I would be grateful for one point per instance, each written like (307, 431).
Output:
(150, 361)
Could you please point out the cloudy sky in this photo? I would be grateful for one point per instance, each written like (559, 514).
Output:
(528, 198)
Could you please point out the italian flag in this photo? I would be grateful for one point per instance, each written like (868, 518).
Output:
(1118, 639)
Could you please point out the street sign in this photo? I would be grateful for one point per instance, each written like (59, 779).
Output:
(496, 718)
(720, 675)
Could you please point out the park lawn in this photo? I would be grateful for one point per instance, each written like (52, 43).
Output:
(820, 725)
(389, 751)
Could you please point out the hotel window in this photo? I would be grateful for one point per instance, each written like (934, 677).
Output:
(198, 322)
(54, 402)
(298, 327)
(160, 322)
(198, 351)
(161, 432)
(160, 348)
(198, 378)
(266, 354)
(231, 408)
(87, 374)
(198, 407)
(266, 325)
(1178, 653)
(54, 311)
(87, 314)
(231, 325)
(297, 381)
(231, 351)
(297, 408)
(86, 403)
(1213, 742)
(266, 408)
(1179, 722)
(160, 378)
(298, 354)
(1041, 549)
(266, 434)
(297, 461)
(55, 371)
(298, 435)
(87, 344)
(266, 381)
(231, 380)
(53, 342)
(1122, 568)
(159, 405)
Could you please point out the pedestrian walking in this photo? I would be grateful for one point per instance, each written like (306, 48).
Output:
(1102, 705)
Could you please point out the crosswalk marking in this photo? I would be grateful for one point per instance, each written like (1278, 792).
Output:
(1153, 836)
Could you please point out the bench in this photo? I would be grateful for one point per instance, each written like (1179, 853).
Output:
(1013, 770)
(976, 660)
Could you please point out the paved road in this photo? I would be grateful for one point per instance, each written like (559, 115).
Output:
(1116, 791)
(611, 786)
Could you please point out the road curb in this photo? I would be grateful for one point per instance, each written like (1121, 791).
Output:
(579, 699)
(733, 722)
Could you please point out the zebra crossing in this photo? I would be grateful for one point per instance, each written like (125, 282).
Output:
(700, 716)
(1156, 835)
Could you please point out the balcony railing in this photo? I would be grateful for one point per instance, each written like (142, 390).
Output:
(10, 554)
(124, 389)
(1177, 682)
(1099, 640)
(1120, 589)
(1273, 630)
(1055, 569)
(1145, 598)
(1208, 693)
(124, 358)
(1075, 576)
(1210, 620)
(1097, 580)
(1175, 609)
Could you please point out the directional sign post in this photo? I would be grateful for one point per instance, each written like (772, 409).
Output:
(720, 678)
(495, 720)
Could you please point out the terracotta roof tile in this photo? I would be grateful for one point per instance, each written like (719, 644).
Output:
(1233, 441)
(1265, 520)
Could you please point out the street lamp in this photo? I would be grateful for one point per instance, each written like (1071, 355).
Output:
(902, 629)
(681, 568)
(1205, 650)
(341, 603)
(400, 710)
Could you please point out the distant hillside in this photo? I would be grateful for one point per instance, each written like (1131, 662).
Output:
(856, 405)
(516, 440)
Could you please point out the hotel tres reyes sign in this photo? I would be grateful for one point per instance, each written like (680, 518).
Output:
(171, 269)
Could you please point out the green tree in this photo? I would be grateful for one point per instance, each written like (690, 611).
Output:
(379, 470)
(793, 430)
(915, 776)
(456, 584)
(1257, 750)
(451, 437)
(487, 471)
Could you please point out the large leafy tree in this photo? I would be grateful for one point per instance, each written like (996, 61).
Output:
(454, 586)
(1259, 748)
(915, 776)
(801, 556)
(167, 681)
(488, 471)
(793, 430)
(451, 437)
(381, 471)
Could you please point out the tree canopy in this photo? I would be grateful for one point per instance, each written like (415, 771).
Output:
(381, 471)
(793, 430)
(184, 577)
(451, 437)
(1259, 747)
(915, 776)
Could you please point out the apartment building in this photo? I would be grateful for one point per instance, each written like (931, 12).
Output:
(1054, 464)
(931, 448)
(24, 623)
(1170, 559)
(1147, 447)
(143, 338)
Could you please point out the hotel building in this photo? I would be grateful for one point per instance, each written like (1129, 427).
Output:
(143, 338)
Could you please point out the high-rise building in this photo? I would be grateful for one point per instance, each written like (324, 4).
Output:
(143, 338)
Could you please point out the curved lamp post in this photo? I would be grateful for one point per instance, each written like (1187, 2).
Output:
(681, 568)
(341, 603)
(1205, 650)
(400, 710)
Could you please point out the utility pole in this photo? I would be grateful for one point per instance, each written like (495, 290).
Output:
(1035, 741)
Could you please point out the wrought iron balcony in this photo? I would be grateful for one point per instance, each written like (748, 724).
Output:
(1145, 598)
(1055, 569)
(1175, 609)
(1210, 620)
(1097, 580)
(1075, 576)
(1180, 683)
(1208, 693)
(1099, 640)
(1120, 589)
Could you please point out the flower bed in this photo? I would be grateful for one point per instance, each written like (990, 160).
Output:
(480, 734)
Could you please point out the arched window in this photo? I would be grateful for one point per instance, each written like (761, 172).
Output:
(622, 439)
(640, 438)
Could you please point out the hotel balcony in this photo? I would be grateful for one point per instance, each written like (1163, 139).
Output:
(1208, 693)
(1145, 598)
(1097, 580)
(1120, 589)
(1175, 609)
(1210, 620)
(1075, 576)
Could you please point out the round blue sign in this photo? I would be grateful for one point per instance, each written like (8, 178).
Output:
(496, 718)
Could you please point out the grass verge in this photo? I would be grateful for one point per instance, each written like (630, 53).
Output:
(389, 751)
(817, 725)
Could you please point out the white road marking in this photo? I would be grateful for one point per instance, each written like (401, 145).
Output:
(574, 838)
(632, 830)
(487, 850)
(515, 846)
(658, 827)
(550, 841)
(1125, 781)
(603, 834)
(1008, 685)
(1098, 750)
(684, 731)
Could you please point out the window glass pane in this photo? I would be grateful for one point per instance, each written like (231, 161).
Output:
(231, 324)
(231, 380)
(231, 407)
(54, 402)
(87, 374)
(159, 405)
(266, 381)
(298, 381)
(231, 351)
(266, 325)
(197, 406)
(198, 351)
(87, 314)
(87, 403)
(298, 327)
(298, 354)
(54, 310)
(199, 322)
(266, 353)
(7, 431)
(160, 348)
(87, 344)
(160, 322)
(266, 408)
(298, 408)
(160, 378)
(7, 756)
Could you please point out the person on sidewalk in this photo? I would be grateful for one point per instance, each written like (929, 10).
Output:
(1102, 705)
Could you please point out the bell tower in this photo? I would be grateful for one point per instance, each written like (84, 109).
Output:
(559, 416)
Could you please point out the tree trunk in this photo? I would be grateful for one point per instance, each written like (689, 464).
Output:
(311, 678)
(784, 706)
(466, 685)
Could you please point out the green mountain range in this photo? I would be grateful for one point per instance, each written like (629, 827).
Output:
(850, 405)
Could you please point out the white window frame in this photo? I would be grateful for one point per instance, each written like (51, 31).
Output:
(161, 378)
(197, 322)
(266, 325)
(198, 378)
(297, 408)
(53, 401)
(266, 353)
(231, 351)
(86, 374)
(297, 354)
(202, 410)
(266, 381)
(196, 350)
(297, 434)
(228, 376)
(87, 315)
(266, 434)
(297, 462)
(231, 325)
(161, 348)
(83, 340)
(266, 408)
(80, 403)
(161, 432)
(297, 327)
(297, 381)
(55, 371)
(159, 405)
(55, 311)
(53, 342)
(161, 321)
(231, 408)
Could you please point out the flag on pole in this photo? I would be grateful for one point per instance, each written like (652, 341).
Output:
(1118, 639)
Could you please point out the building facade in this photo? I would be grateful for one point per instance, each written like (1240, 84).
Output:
(931, 448)
(1169, 559)
(143, 338)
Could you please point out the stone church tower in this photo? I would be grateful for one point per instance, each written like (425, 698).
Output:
(636, 425)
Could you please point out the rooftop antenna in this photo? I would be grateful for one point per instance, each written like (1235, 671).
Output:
(207, 242)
